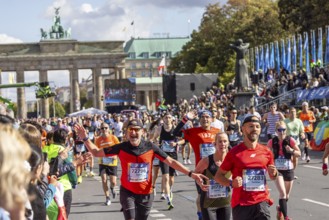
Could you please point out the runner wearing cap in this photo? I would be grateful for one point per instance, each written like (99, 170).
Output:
(136, 156)
(201, 139)
(249, 162)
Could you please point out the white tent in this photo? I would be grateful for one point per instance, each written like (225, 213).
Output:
(88, 111)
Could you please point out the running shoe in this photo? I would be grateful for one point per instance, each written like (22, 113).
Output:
(279, 214)
(91, 174)
(185, 162)
(163, 196)
(113, 193)
(189, 161)
(108, 202)
(303, 157)
(79, 180)
(287, 218)
(170, 206)
(308, 159)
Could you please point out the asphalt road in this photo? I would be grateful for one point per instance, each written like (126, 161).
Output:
(309, 198)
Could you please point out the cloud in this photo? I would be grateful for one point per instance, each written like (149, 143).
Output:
(5, 39)
(175, 3)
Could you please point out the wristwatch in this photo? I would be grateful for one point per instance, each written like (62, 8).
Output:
(85, 139)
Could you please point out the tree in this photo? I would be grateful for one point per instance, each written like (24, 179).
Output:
(59, 109)
(255, 21)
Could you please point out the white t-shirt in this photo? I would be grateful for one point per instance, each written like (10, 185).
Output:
(217, 124)
(117, 127)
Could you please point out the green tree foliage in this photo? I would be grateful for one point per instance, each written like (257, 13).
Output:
(59, 109)
(303, 15)
(253, 21)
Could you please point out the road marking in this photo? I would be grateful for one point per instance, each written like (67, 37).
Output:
(157, 215)
(313, 167)
(154, 211)
(316, 202)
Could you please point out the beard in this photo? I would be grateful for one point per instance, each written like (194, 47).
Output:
(252, 137)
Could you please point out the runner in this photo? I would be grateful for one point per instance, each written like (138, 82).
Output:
(201, 139)
(308, 120)
(136, 156)
(249, 160)
(215, 202)
(107, 165)
(284, 148)
(270, 118)
(233, 128)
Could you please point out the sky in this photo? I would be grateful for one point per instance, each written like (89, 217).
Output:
(95, 20)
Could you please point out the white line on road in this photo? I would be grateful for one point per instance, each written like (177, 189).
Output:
(157, 215)
(154, 211)
(313, 167)
(316, 202)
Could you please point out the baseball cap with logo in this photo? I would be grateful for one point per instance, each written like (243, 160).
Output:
(135, 123)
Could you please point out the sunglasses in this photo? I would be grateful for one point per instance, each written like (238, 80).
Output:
(134, 129)
(281, 129)
(104, 128)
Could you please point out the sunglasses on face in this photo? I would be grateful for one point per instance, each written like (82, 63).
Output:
(134, 129)
(104, 128)
(281, 129)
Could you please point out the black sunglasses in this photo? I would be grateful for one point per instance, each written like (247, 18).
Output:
(104, 128)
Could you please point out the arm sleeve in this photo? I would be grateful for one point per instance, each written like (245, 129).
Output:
(160, 154)
(114, 150)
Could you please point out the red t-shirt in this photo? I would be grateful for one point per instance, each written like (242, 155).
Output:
(238, 160)
(200, 140)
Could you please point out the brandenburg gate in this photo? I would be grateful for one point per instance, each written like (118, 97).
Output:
(58, 53)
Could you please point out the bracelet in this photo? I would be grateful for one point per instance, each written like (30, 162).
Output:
(324, 166)
(85, 139)
(190, 173)
(185, 119)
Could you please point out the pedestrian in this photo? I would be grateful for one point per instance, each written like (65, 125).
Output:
(285, 149)
(215, 201)
(270, 118)
(136, 156)
(249, 162)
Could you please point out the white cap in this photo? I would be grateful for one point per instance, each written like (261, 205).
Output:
(325, 108)
(304, 103)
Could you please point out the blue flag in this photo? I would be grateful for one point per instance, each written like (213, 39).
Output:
(294, 54)
(327, 47)
(277, 57)
(288, 58)
(272, 63)
(283, 54)
(313, 46)
(267, 57)
(307, 53)
(320, 56)
(256, 59)
(261, 57)
(300, 48)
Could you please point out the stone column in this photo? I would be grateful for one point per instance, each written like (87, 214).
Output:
(44, 103)
(147, 99)
(98, 88)
(75, 90)
(21, 100)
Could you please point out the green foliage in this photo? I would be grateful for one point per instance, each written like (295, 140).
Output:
(88, 104)
(254, 21)
(59, 109)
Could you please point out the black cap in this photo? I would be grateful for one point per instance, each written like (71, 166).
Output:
(135, 122)
(251, 118)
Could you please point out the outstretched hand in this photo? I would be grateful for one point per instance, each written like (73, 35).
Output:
(80, 130)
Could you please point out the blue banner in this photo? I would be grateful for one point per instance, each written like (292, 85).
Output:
(307, 53)
(277, 57)
(288, 57)
(256, 59)
(312, 94)
(294, 54)
(313, 46)
(266, 58)
(320, 56)
(283, 54)
(261, 58)
(327, 47)
(300, 48)
(272, 64)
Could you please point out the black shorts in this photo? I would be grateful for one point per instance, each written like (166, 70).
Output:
(165, 168)
(110, 170)
(135, 206)
(288, 175)
(257, 211)
(309, 135)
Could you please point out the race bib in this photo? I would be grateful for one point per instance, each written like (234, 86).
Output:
(207, 149)
(233, 137)
(80, 148)
(282, 163)
(108, 160)
(306, 123)
(254, 180)
(156, 162)
(216, 190)
(138, 172)
(166, 146)
(91, 135)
